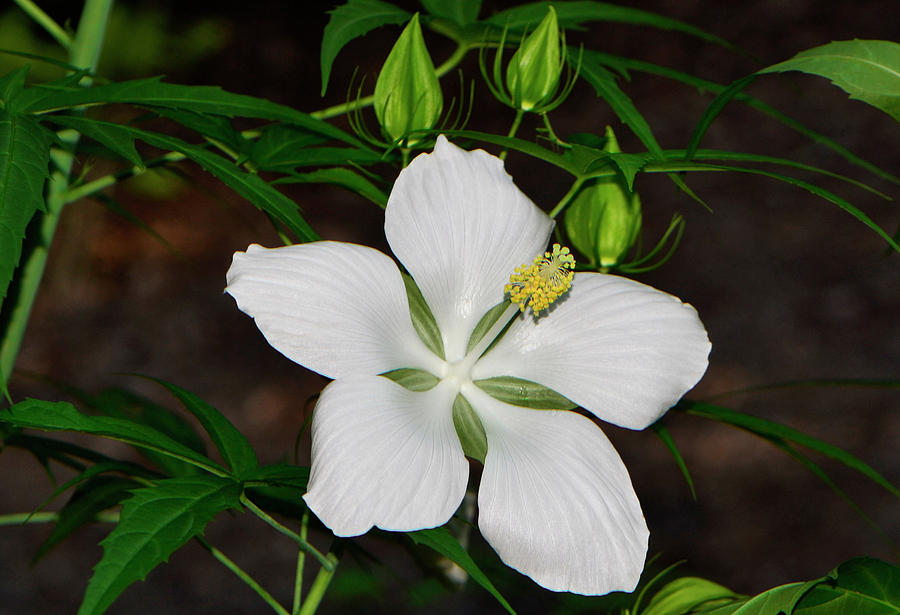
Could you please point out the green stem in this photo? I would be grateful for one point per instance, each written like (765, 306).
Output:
(46, 22)
(243, 576)
(256, 510)
(50, 517)
(513, 129)
(320, 584)
(301, 561)
(550, 132)
(75, 194)
(576, 185)
(365, 101)
(84, 53)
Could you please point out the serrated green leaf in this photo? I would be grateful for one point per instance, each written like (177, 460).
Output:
(441, 540)
(24, 155)
(94, 496)
(868, 70)
(232, 444)
(682, 596)
(154, 92)
(113, 137)
(412, 379)
(422, 318)
(860, 586)
(11, 85)
(519, 392)
(350, 21)
(339, 176)
(154, 523)
(63, 416)
(216, 127)
(460, 12)
(249, 185)
(713, 110)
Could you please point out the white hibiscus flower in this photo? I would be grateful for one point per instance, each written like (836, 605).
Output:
(555, 500)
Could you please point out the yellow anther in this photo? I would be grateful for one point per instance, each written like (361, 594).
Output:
(544, 281)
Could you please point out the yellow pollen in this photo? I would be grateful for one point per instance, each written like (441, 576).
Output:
(544, 281)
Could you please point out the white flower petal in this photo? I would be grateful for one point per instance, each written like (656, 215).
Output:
(335, 308)
(623, 350)
(460, 226)
(556, 501)
(386, 456)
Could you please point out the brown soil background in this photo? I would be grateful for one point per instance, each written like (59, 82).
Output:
(789, 287)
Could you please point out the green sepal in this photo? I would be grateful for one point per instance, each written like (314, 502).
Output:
(469, 429)
(408, 95)
(422, 319)
(412, 379)
(519, 392)
(487, 321)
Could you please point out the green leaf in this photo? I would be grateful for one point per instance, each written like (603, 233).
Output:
(663, 433)
(350, 21)
(114, 138)
(682, 596)
(861, 586)
(24, 155)
(198, 99)
(339, 176)
(62, 416)
(867, 70)
(422, 318)
(460, 12)
(441, 540)
(573, 14)
(249, 185)
(11, 85)
(412, 378)
(154, 523)
(780, 599)
(767, 429)
(519, 392)
(713, 110)
(281, 493)
(281, 474)
(231, 443)
(216, 127)
(519, 145)
(94, 496)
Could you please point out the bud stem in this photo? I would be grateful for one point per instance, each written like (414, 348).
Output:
(513, 129)
(576, 185)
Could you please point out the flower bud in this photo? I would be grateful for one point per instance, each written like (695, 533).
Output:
(407, 93)
(533, 73)
(604, 220)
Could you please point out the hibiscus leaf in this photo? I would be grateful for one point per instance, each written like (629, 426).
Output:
(441, 540)
(412, 378)
(63, 416)
(780, 599)
(232, 444)
(519, 145)
(422, 318)
(519, 392)
(113, 137)
(867, 70)
(350, 21)
(687, 595)
(154, 523)
(460, 12)
(862, 586)
(339, 176)
(713, 110)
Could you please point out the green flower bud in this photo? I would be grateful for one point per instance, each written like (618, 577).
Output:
(533, 73)
(407, 93)
(604, 220)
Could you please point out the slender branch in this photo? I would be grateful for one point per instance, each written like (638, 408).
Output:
(320, 584)
(46, 22)
(573, 190)
(243, 576)
(513, 129)
(50, 517)
(256, 510)
(301, 561)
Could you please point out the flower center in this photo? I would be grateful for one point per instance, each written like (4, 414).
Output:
(544, 281)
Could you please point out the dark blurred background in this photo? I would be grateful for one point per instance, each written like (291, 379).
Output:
(789, 287)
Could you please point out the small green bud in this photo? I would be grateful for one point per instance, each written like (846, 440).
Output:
(407, 93)
(533, 73)
(604, 220)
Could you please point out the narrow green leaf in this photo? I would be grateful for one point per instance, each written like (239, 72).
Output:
(198, 99)
(412, 379)
(94, 496)
(62, 416)
(519, 145)
(339, 176)
(867, 70)
(519, 392)
(687, 594)
(112, 136)
(350, 21)
(45, 449)
(460, 12)
(24, 155)
(713, 110)
(861, 586)
(767, 428)
(154, 523)
(572, 14)
(281, 474)
(232, 444)
(441, 540)
(215, 127)
(249, 185)
(780, 599)
(284, 484)
(663, 433)
(422, 318)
